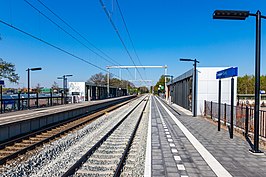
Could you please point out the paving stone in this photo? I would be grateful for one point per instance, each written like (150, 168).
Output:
(233, 154)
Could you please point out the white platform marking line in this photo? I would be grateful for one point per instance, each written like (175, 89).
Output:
(180, 167)
(174, 150)
(170, 140)
(172, 145)
(147, 172)
(218, 169)
(177, 158)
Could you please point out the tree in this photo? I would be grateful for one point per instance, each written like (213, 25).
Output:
(101, 79)
(38, 88)
(98, 79)
(162, 83)
(7, 70)
(246, 84)
(143, 90)
(55, 86)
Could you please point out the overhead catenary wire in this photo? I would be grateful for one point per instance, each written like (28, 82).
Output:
(125, 24)
(118, 34)
(82, 36)
(129, 36)
(54, 46)
(61, 28)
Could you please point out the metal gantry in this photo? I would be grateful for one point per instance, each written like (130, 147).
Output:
(130, 67)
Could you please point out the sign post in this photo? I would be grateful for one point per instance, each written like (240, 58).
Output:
(226, 73)
(1, 91)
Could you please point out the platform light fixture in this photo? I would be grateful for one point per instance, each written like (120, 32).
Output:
(242, 15)
(195, 84)
(28, 70)
(230, 14)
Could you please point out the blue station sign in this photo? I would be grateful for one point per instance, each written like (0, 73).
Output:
(2, 82)
(230, 72)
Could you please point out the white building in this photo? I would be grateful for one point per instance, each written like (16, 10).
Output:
(86, 91)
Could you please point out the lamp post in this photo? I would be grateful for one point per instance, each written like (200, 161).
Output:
(28, 70)
(64, 78)
(195, 84)
(169, 96)
(242, 15)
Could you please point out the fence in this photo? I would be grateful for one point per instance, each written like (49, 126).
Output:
(243, 118)
(20, 101)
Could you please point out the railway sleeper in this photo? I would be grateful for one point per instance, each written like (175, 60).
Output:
(22, 144)
(11, 148)
(94, 173)
(36, 139)
(30, 141)
(6, 153)
(43, 136)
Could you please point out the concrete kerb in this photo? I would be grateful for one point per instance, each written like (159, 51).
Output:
(41, 121)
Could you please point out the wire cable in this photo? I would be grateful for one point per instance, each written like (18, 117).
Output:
(52, 45)
(125, 24)
(118, 34)
(131, 41)
(61, 28)
(82, 36)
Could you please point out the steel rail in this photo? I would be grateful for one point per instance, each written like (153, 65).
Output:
(129, 144)
(80, 121)
(85, 157)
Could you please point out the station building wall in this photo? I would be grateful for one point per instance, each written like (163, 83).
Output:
(208, 87)
(181, 89)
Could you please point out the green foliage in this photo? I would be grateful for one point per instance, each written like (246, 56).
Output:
(246, 84)
(7, 70)
(101, 79)
(142, 90)
(162, 83)
(55, 87)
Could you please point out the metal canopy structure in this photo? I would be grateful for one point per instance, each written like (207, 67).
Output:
(126, 67)
(130, 67)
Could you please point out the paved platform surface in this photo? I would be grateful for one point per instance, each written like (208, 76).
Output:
(33, 113)
(182, 145)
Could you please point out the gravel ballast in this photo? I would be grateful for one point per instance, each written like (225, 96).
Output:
(55, 158)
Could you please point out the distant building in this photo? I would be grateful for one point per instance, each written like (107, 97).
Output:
(86, 91)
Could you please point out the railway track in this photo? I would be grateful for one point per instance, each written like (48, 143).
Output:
(12, 149)
(108, 156)
(168, 106)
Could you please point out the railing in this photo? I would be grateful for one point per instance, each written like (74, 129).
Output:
(243, 118)
(20, 102)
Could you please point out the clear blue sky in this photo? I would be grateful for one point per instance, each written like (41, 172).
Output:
(162, 32)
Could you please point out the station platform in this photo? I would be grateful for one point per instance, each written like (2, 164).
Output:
(17, 123)
(182, 145)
